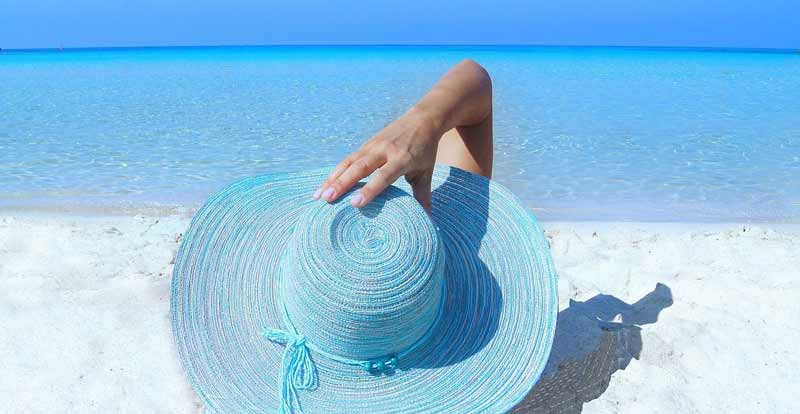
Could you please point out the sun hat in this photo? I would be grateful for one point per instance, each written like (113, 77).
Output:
(284, 304)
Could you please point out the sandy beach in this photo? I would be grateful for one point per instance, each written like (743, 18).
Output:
(653, 317)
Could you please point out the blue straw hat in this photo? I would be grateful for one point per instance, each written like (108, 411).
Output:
(283, 304)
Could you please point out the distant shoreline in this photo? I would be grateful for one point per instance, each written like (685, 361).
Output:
(477, 47)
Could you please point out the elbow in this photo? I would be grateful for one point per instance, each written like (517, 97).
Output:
(478, 72)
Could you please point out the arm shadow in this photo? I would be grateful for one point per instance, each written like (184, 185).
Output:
(589, 347)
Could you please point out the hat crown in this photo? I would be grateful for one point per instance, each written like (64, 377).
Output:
(364, 283)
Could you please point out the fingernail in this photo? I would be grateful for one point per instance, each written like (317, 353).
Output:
(327, 194)
(356, 199)
(317, 193)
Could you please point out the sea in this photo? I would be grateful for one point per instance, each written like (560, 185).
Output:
(581, 133)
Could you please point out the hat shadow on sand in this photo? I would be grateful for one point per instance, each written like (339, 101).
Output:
(480, 290)
(588, 348)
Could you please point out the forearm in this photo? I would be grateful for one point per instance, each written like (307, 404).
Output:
(461, 98)
(460, 103)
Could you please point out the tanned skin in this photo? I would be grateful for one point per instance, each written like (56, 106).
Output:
(451, 124)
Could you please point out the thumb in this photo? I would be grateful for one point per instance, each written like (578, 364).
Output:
(421, 185)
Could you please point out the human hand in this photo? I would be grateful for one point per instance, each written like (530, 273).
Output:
(406, 147)
(461, 102)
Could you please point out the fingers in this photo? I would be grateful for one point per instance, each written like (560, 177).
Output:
(337, 171)
(387, 175)
(421, 185)
(347, 174)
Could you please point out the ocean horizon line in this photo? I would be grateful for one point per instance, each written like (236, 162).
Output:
(716, 49)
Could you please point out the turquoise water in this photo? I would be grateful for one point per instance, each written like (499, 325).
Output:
(581, 133)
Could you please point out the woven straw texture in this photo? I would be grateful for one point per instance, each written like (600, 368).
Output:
(467, 303)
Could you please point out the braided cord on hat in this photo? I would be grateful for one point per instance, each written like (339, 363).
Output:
(298, 371)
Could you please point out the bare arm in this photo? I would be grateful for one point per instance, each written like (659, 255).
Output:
(452, 123)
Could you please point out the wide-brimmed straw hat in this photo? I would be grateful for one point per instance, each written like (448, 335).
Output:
(284, 304)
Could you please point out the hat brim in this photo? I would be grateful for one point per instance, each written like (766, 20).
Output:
(489, 348)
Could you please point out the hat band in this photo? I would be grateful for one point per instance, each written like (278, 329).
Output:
(298, 371)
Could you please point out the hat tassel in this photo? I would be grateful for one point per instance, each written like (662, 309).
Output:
(298, 371)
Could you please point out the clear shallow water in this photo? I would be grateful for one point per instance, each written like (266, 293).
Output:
(581, 133)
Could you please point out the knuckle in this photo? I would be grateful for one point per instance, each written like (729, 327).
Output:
(337, 171)
(394, 147)
(382, 146)
(337, 185)
(385, 181)
(394, 170)
(361, 166)
(403, 156)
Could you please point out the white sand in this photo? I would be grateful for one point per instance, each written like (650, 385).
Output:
(84, 306)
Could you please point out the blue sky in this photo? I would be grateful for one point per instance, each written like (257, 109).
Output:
(83, 23)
